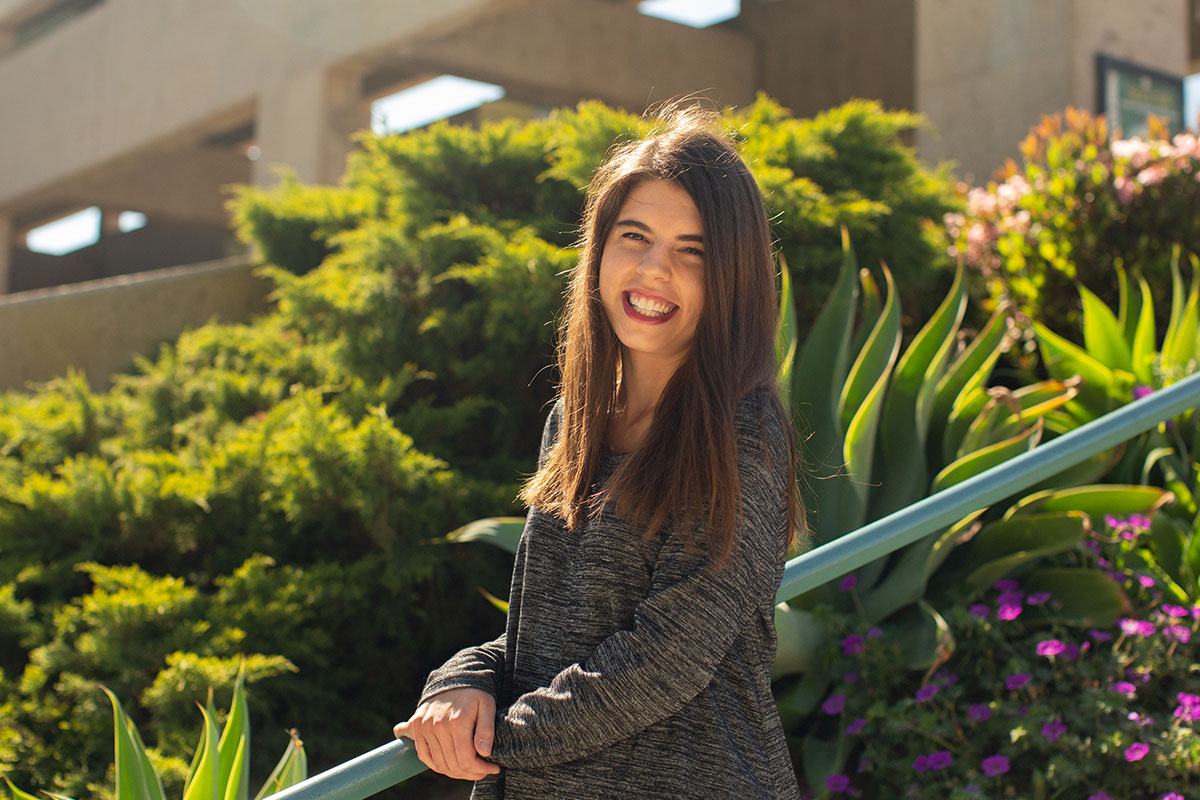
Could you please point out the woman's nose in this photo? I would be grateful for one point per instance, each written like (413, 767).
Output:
(655, 263)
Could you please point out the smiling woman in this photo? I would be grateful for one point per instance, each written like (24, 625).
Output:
(640, 637)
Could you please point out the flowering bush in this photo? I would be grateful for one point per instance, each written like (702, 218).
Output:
(1026, 706)
(1079, 205)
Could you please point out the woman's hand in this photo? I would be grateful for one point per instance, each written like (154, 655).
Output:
(451, 731)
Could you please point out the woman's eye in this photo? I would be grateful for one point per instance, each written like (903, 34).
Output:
(637, 237)
(694, 251)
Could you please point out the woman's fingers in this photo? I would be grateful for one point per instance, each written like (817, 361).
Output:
(485, 727)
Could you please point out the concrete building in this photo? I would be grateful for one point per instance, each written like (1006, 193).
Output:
(156, 105)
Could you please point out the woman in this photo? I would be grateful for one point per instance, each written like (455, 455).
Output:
(640, 637)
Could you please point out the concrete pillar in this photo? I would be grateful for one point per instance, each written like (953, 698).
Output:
(306, 123)
(6, 252)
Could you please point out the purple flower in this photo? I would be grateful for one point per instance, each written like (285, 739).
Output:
(947, 679)
(1010, 598)
(1072, 651)
(856, 726)
(921, 764)
(837, 782)
(1188, 699)
(995, 765)
(1146, 581)
(874, 632)
(1113, 521)
(940, 760)
(1123, 688)
(1008, 612)
(1172, 796)
(1006, 585)
(1179, 612)
(1188, 708)
(1139, 674)
(1037, 598)
(1178, 632)
(926, 693)
(1100, 796)
(1050, 647)
(850, 677)
(1141, 390)
(1016, 681)
(979, 611)
(848, 583)
(1136, 751)
(1140, 719)
(1139, 522)
(834, 705)
(978, 712)
(1099, 636)
(1054, 729)
(852, 645)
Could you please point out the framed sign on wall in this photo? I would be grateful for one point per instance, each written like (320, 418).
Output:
(1126, 93)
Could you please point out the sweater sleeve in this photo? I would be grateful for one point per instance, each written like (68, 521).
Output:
(681, 632)
(482, 666)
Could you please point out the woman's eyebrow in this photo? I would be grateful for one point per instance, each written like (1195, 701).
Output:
(633, 223)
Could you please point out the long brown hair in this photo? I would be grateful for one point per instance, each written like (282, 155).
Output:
(685, 470)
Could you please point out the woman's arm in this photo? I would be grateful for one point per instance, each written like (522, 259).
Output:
(479, 667)
(682, 631)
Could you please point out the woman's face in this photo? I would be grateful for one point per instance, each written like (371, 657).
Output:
(652, 275)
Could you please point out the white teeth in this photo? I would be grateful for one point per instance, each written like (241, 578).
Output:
(648, 306)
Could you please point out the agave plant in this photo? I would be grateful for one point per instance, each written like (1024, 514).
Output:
(220, 769)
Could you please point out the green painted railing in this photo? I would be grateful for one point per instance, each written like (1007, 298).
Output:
(397, 761)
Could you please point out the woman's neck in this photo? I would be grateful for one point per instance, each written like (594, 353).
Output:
(642, 384)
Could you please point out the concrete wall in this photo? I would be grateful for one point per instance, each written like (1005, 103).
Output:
(99, 326)
(987, 72)
(819, 53)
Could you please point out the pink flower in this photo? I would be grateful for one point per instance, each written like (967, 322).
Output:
(1123, 688)
(1152, 176)
(1178, 612)
(834, 705)
(995, 765)
(1008, 613)
(1178, 632)
(1136, 751)
(1124, 189)
(1050, 647)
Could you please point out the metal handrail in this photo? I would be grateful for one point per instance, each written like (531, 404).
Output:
(397, 761)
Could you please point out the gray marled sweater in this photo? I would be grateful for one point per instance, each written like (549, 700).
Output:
(628, 669)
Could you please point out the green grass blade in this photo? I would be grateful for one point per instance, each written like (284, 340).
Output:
(909, 403)
(1177, 301)
(968, 372)
(870, 308)
(17, 793)
(291, 768)
(204, 784)
(135, 777)
(1004, 545)
(1064, 360)
(819, 374)
(1180, 347)
(786, 338)
(974, 463)
(1103, 336)
(1096, 501)
(233, 749)
(1144, 347)
(1129, 306)
(870, 374)
(503, 532)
